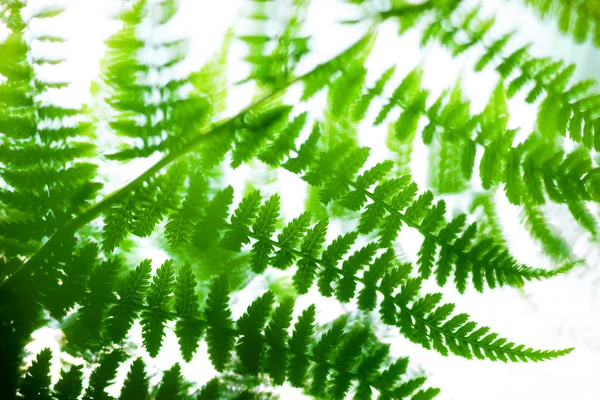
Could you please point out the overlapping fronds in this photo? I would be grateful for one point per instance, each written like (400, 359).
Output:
(533, 171)
(371, 274)
(579, 19)
(262, 339)
(567, 108)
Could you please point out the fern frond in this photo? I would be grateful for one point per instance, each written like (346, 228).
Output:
(219, 330)
(102, 376)
(322, 75)
(140, 212)
(210, 391)
(181, 222)
(484, 261)
(273, 58)
(44, 171)
(187, 329)
(171, 386)
(99, 298)
(250, 347)
(70, 385)
(276, 338)
(131, 300)
(264, 227)
(73, 276)
(157, 299)
(214, 219)
(243, 216)
(36, 384)
(136, 382)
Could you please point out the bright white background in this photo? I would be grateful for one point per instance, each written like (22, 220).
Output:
(553, 314)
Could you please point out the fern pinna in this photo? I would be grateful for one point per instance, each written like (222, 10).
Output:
(71, 250)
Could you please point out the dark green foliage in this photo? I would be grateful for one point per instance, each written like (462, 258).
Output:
(241, 219)
(102, 376)
(153, 317)
(181, 222)
(99, 298)
(131, 300)
(69, 386)
(36, 384)
(136, 382)
(171, 386)
(250, 347)
(58, 299)
(187, 329)
(276, 338)
(262, 229)
(220, 325)
(210, 391)
(214, 219)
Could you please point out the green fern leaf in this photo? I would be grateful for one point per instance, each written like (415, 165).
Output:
(100, 296)
(346, 286)
(70, 384)
(368, 368)
(362, 105)
(36, 384)
(288, 239)
(102, 376)
(171, 386)
(210, 391)
(154, 316)
(305, 153)
(251, 345)
(367, 298)
(307, 266)
(331, 256)
(276, 338)
(136, 382)
(298, 345)
(239, 233)
(187, 328)
(181, 222)
(263, 229)
(214, 219)
(274, 154)
(346, 360)
(131, 300)
(219, 330)
(323, 351)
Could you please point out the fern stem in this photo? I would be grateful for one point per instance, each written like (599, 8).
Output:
(94, 211)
